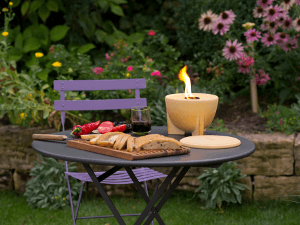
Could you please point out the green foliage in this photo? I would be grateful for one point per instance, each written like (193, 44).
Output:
(48, 187)
(282, 118)
(220, 185)
(218, 125)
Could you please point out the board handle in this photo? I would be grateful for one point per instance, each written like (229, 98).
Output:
(49, 137)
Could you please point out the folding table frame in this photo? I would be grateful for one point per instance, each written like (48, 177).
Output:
(150, 211)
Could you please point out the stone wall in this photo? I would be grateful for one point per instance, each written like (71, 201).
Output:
(273, 170)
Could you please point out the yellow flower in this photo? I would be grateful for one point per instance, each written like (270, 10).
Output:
(5, 9)
(5, 33)
(64, 198)
(23, 116)
(70, 70)
(56, 64)
(127, 74)
(55, 197)
(39, 54)
(248, 25)
(10, 3)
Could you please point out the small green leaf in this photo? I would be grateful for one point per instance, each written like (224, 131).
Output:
(44, 13)
(52, 6)
(116, 9)
(35, 5)
(58, 32)
(43, 75)
(100, 35)
(86, 48)
(103, 5)
(31, 44)
(136, 37)
(119, 1)
(15, 3)
(24, 7)
(33, 17)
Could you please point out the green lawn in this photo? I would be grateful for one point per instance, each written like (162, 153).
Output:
(180, 209)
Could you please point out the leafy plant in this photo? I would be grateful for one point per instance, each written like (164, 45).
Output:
(282, 118)
(218, 125)
(220, 185)
(48, 187)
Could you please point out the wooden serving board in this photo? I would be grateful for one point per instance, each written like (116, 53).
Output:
(124, 154)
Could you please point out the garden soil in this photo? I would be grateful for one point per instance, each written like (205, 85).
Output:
(237, 116)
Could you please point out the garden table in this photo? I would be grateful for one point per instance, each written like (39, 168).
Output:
(182, 163)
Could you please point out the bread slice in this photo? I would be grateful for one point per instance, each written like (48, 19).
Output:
(123, 143)
(89, 136)
(130, 143)
(106, 135)
(112, 139)
(140, 141)
(156, 142)
(94, 140)
(119, 138)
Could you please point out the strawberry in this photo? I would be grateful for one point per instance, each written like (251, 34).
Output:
(85, 129)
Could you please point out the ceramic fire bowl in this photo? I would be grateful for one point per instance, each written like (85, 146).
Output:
(191, 115)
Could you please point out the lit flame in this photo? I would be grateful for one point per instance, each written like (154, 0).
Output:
(186, 79)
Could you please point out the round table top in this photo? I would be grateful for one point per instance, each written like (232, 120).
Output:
(196, 158)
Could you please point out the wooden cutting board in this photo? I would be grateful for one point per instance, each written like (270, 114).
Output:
(123, 154)
(210, 141)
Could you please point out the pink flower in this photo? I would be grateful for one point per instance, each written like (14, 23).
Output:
(244, 64)
(129, 68)
(296, 23)
(98, 70)
(107, 56)
(298, 78)
(156, 73)
(111, 54)
(297, 2)
(232, 50)
(244, 69)
(282, 37)
(287, 23)
(277, 112)
(272, 12)
(270, 26)
(262, 78)
(264, 3)
(291, 43)
(220, 27)
(258, 12)
(151, 33)
(282, 17)
(280, 122)
(287, 4)
(268, 39)
(252, 35)
(226, 17)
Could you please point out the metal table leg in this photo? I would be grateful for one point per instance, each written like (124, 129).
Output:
(102, 191)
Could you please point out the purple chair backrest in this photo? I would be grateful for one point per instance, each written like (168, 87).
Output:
(93, 85)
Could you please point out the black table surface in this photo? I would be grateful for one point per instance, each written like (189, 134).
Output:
(197, 157)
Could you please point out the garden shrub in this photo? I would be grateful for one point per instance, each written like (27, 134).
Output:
(220, 185)
(48, 187)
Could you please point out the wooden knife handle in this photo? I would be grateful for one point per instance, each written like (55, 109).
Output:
(49, 137)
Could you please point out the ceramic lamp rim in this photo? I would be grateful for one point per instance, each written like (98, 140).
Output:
(214, 97)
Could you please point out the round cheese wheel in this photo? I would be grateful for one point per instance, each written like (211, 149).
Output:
(210, 141)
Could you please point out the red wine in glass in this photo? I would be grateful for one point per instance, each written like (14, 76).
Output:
(141, 127)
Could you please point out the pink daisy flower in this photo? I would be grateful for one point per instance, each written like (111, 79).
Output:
(207, 20)
(226, 17)
(244, 69)
(107, 56)
(268, 39)
(233, 50)
(258, 12)
(296, 24)
(287, 23)
(272, 12)
(292, 43)
(264, 3)
(271, 26)
(252, 35)
(220, 27)
(151, 33)
(98, 70)
(287, 4)
(244, 63)
(282, 17)
(282, 37)
(129, 68)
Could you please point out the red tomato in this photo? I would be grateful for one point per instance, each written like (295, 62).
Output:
(105, 127)
(121, 128)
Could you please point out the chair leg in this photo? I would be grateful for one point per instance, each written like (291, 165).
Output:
(71, 201)
(146, 190)
(79, 199)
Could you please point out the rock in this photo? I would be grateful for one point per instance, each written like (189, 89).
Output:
(271, 150)
(20, 178)
(297, 155)
(246, 194)
(6, 180)
(274, 187)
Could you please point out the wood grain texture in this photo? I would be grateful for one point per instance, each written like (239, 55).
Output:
(124, 154)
